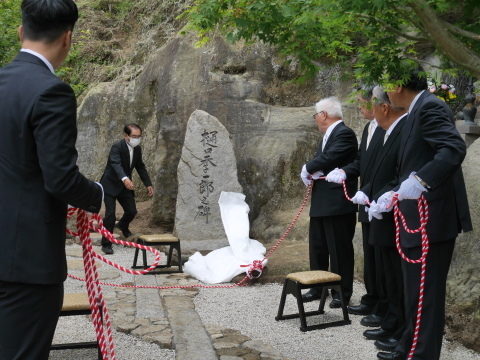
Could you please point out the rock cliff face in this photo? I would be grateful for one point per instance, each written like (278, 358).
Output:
(234, 83)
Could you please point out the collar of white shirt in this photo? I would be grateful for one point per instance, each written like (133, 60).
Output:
(414, 101)
(41, 57)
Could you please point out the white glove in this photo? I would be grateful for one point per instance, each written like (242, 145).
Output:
(374, 211)
(317, 175)
(385, 201)
(360, 198)
(410, 188)
(336, 176)
(305, 175)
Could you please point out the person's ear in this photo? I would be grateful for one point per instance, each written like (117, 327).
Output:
(20, 33)
(67, 40)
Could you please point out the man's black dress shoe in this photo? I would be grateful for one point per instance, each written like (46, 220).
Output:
(386, 345)
(107, 250)
(371, 320)
(311, 296)
(335, 303)
(126, 233)
(377, 334)
(360, 310)
(396, 355)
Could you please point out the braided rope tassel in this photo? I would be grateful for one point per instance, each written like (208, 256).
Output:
(423, 211)
(100, 317)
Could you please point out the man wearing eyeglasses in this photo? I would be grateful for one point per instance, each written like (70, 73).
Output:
(125, 156)
(332, 216)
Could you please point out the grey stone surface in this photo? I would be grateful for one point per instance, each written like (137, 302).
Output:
(463, 287)
(192, 342)
(206, 168)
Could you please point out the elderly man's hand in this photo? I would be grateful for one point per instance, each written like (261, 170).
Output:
(360, 198)
(306, 177)
(336, 176)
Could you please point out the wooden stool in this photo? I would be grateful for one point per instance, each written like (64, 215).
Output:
(77, 304)
(296, 282)
(159, 240)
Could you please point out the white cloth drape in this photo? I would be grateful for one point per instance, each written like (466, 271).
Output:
(223, 264)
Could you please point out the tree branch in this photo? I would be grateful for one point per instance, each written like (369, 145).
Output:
(452, 47)
(392, 29)
(462, 32)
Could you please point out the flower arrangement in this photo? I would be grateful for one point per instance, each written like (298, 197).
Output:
(444, 91)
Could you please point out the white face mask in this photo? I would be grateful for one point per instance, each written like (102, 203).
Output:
(133, 142)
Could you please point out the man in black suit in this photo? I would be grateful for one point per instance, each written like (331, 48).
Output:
(38, 178)
(332, 216)
(125, 155)
(430, 158)
(374, 302)
(382, 231)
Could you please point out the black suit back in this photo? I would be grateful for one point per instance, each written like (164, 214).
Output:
(38, 172)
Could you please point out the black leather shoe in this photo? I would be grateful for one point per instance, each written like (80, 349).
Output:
(377, 334)
(311, 296)
(360, 310)
(386, 345)
(125, 232)
(107, 250)
(396, 355)
(335, 303)
(371, 320)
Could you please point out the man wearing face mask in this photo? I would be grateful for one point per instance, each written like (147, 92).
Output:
(125, 156)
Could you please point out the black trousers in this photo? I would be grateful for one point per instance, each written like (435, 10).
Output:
(394, 320)
(369, 270)
(433, 315)
(126, 199)
(330, 244)
(28, 318)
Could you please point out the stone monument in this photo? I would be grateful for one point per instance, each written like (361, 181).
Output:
(207, 167)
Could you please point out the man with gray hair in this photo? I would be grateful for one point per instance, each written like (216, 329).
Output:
(332, 216)
(373, 303)
(382, 231)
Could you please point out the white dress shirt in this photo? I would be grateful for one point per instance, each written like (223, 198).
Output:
(41, 57)
(329, 131)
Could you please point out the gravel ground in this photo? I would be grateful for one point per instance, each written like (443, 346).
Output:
(252, 311)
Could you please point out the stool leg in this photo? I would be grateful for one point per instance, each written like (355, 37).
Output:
(135, 258)
(144, 254)
(339, 289)
(301, 309)
(179, 255)
(170, 253)
(282, 301)
(323, 299)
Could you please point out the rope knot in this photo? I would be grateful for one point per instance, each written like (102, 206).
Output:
(255, 269)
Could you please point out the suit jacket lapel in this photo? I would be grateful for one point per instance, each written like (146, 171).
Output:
(407, 127)
(386, 147)
(332, 135)
(370, 152)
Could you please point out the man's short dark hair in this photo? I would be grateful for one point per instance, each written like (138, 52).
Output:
(415, 80)
(127, 129)
(47, 20)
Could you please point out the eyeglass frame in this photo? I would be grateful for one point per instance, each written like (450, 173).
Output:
(318, 113)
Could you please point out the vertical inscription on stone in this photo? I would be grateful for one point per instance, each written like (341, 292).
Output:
(209, 142)
(206, 168)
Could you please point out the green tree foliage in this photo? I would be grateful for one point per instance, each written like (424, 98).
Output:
(10, 19)
(373, 37)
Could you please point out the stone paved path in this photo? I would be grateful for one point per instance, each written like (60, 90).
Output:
(165, 317)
